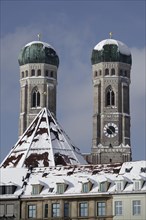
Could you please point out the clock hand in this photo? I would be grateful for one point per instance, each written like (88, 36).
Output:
(110, 129)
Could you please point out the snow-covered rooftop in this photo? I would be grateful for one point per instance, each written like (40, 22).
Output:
(74, 176)
(39, 42)
(123, 48)
(43, 144)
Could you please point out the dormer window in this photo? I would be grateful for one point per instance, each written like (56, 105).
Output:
(86, 187)
(119, 186)
(143, 169)
(51, 189)
(103, 186)
(137, 185)
(61, 187)
(36, 189)
(127, 170)
(7, 189)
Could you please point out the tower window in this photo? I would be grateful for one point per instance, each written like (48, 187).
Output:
(95, 73)
(46, 73)
(106, 72)
(22, 74)
(125, 73)
(112, 71)
(110, 97)
(26, 73)
(35, 98)
(121, 72)
(100, 72)
(39, 72)
(32, 72)
(52, 74)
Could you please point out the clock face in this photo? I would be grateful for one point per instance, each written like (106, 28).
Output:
(110, 130)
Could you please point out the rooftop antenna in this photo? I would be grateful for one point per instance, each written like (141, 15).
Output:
(39, 37)
(110, 34)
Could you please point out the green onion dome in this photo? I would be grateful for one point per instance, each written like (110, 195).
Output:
(38, 52)
(111, 50)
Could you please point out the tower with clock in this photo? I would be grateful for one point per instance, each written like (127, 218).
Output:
(38, 63)
(111, 65)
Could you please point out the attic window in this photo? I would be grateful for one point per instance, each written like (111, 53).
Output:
(137, 185)
(86, 187)
(7, 189)
(51, 189)
(143, 169)
(127, 170)
(103, 187)
(119, 186)
(61, 187)
(36, 189)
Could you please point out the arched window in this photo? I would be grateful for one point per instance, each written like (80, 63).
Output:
(100, 72)
(46, 73)
(26, 73)
(112, 71)
(35, 98)
(110, 97)
(39, 72)
(95, 73)
(125, 73)
(22, 74)
(106, 72)
(32, 72)
(52, 74)
(121, 72)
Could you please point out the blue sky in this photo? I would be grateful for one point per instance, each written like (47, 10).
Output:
(73, 28)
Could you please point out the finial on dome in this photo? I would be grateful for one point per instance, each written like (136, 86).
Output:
(39, 36)
(110, 34)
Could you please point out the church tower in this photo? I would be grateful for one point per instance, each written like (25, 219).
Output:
(111, 65)
(38, 81)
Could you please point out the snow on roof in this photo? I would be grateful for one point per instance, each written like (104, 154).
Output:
(43, 144)
(39, 42)
(73, 177)
(123, 48)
